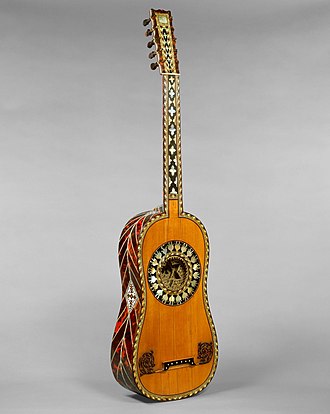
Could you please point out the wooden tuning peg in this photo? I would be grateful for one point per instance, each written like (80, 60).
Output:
(152, 54)
(148, 32)
(146, 22)
(154, 65)
(150, 44)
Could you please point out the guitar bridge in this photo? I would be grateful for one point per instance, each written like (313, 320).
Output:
(178, 362)
(147, 361)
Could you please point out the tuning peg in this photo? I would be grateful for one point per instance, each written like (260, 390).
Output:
(150, 44)
(146, 22)
(152, 54)
(148, 32)
(154, 65)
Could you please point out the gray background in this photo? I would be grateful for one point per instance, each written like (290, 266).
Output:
(81, 153)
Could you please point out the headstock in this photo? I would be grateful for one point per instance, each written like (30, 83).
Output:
(162, 32)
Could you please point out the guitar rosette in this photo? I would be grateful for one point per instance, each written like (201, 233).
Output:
(174, 272)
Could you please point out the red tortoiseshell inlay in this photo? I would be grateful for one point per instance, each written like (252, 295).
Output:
(130, 308)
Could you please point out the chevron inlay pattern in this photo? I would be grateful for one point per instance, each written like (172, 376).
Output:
(130, 308)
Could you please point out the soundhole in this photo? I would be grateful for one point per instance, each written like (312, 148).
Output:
(174, 272)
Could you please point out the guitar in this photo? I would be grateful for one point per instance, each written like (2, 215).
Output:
(164, 344)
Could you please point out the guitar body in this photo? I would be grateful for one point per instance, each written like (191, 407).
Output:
(164, 344)
(175, 333)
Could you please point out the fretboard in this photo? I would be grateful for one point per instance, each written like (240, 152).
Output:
(172, 188)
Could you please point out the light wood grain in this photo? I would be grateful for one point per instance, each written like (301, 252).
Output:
(173, 332)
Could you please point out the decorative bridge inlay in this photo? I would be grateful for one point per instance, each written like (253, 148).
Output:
(205, 352)
(147, 361)
(178, 362)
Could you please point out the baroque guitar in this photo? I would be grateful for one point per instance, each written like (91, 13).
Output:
(164, 344)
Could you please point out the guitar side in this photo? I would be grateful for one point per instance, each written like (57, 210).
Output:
(121, 351)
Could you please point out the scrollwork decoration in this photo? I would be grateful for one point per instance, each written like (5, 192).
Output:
(205, 352)
(147, 363)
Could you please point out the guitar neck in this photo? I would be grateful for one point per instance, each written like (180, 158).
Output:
(172, 169)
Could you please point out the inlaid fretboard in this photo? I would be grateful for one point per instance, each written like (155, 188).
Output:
(172, 140)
